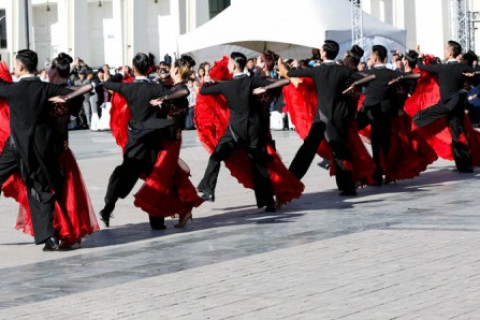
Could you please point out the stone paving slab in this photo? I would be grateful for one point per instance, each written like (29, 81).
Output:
(403, 251)
(347, 277)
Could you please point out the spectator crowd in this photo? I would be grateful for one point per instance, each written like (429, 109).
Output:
(95, 113)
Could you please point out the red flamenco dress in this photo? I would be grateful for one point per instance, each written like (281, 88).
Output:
(438, 134)
(211, 119)
(74, 217)
(167, 190)
(301, 103)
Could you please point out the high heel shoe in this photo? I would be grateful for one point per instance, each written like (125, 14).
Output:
(182, 222)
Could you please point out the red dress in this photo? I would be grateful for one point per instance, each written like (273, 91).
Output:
(211, 119)
(167, 191)
(301, 103)
(438, 134)
(409, 153)
(74, 217)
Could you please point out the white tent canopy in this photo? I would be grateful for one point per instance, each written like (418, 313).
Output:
(290, 28)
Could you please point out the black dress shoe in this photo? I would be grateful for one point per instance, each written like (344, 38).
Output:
(325, 164)
(51, 244)
(270, 208)
(105, 217)
(106, 214)
(351, 192)
(157, 223)
(208, 197)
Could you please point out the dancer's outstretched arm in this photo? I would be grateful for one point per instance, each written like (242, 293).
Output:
(405, 77)
(171, 95)
(273, 85)
(78, 92)
(359, 82)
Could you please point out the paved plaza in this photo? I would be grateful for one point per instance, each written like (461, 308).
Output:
(404, 251)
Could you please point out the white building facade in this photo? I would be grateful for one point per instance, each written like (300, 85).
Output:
(112, 31)
(107, 31)
(427, 21)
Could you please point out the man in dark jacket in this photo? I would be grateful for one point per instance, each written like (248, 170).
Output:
(31, 148)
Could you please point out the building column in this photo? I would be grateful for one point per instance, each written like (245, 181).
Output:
(73, 38)
(169, 40)
(15, 15)
(64, 41)
(117, 48)
(79, 29)
(432, 25)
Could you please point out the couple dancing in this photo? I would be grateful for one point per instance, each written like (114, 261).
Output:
(38, 169)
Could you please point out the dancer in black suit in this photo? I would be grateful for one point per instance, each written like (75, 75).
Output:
(332, 116)
(452, 102)
(33, 147)
(378, 108)
(244, 131)
(146, 129)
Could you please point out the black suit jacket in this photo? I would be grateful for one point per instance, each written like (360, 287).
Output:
(378, 92)
(330, 80)
(32, 126)
(138, 95)
(244, 112)
(450, 77)
(147, 122)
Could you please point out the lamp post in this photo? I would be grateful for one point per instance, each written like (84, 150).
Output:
(27, 24)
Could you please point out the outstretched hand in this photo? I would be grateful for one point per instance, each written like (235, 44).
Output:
(57, 99)
(420, 54)
(296, 81)
(348, 89)
(258, 91)
(156, 102)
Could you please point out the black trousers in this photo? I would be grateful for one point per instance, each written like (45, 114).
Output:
(336, 136)
(258, 158)
(139, 158)
(380, 123)
(40, 197)
(454, 112)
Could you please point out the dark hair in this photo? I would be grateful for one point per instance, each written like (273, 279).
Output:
(270, 57)
(380, 51)
(28, 58)
(456, 48)
(141, 63)
(411, 56)
(184, 64)
(239, 59)
(62, 64)
(470, 57)
(331, 48)
(151, 59)
(353, 57)
(167, 60)
(350, 62)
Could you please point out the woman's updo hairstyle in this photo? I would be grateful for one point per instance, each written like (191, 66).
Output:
(411, 56)
(184, 65)
(62, 64)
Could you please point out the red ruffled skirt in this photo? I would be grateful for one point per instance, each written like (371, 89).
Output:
(73, 218)
(168, 191)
